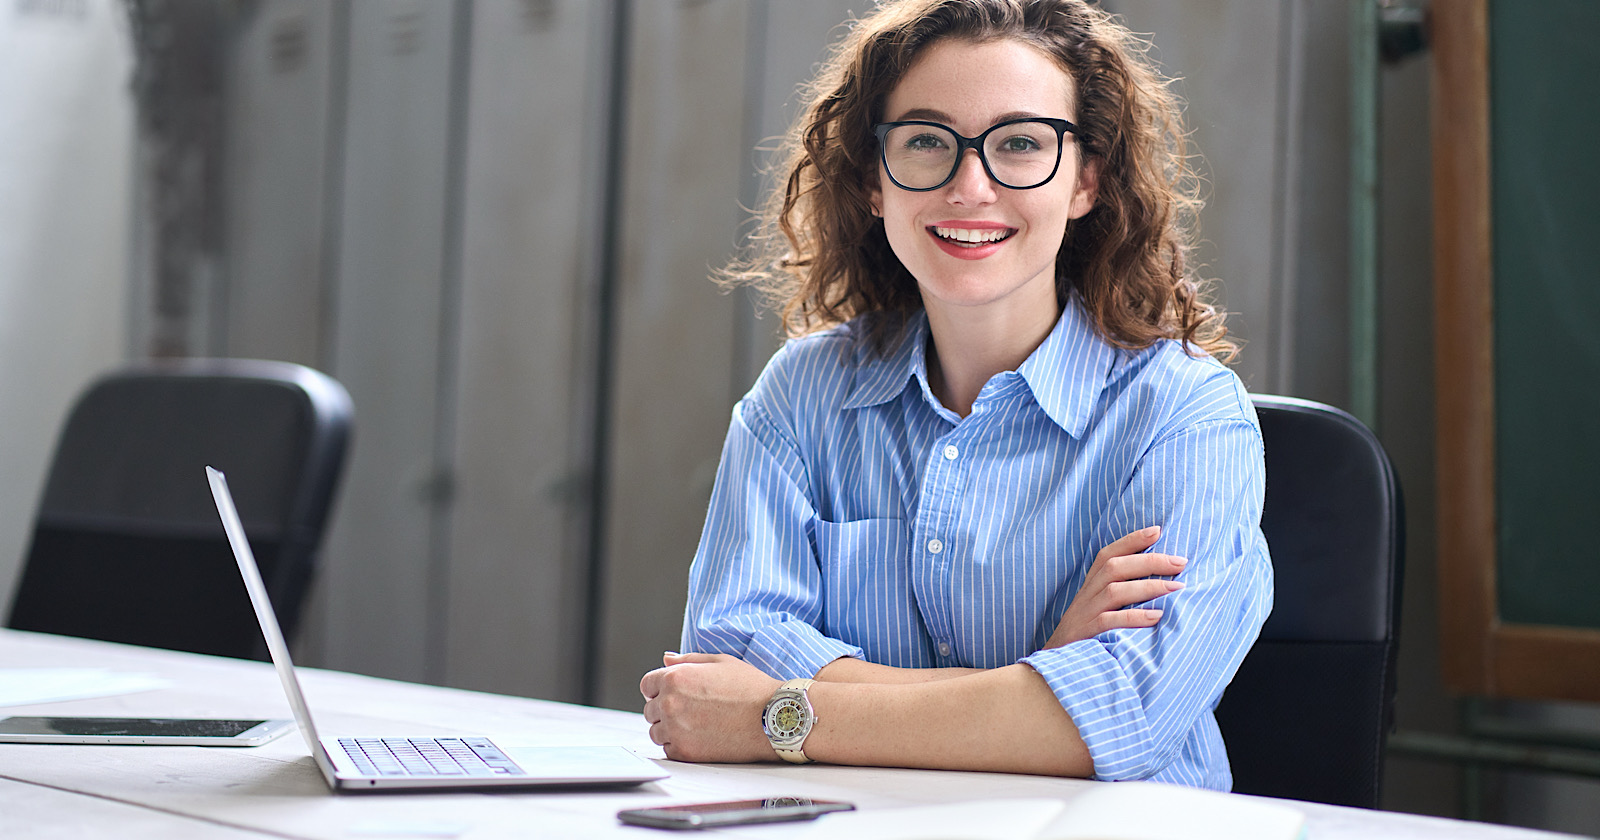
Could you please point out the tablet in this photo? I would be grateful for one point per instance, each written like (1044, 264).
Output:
(205, 732)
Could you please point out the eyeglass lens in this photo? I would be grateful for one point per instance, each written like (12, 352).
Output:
(1019, 155)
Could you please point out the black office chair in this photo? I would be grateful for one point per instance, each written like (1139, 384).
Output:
(127, 545)
(1308, 713)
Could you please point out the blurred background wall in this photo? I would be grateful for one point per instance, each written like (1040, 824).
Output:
(66, 185)
(494, 222)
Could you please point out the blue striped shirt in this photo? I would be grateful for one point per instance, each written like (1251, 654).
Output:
(853, 515)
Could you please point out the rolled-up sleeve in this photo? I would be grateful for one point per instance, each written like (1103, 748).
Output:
(1137, 696)
(755, 588)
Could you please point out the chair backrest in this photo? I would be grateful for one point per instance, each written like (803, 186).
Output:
(127, 545)
(1307, 715)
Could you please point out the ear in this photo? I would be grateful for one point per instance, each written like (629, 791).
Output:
(1083, 197)
(875, 199)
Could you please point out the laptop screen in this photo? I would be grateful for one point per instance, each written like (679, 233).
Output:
(263, 607)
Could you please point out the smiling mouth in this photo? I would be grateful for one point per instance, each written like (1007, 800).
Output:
(969, 238)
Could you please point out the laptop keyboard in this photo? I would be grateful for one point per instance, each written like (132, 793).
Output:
(428, 757)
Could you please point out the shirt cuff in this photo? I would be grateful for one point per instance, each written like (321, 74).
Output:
(793, 649)
(1109, 715)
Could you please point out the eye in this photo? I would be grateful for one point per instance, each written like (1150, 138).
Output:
(1019, 144)
(926, 141)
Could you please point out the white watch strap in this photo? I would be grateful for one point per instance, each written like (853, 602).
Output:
(797, 755)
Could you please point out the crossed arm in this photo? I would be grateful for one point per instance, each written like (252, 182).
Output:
(707, 707)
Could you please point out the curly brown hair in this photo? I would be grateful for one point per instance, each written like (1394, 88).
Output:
(822, 257)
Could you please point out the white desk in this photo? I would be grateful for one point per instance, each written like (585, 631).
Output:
(275, 790)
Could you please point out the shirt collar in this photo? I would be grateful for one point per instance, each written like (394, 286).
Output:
(1066, 372)
(1069, 370)
(880, 379)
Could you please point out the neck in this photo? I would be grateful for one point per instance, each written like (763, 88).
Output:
(968, 348)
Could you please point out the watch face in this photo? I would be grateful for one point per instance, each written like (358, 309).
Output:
(787, 719)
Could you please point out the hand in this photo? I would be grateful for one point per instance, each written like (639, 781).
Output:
(1114, 581)
(707, 707)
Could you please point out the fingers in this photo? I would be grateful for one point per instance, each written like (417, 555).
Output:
(706, 707)
(1120, 619)
(1124, 573)
(1131, 543)
(650, 684)
(1125, 593)
(1112, 620)
(672, 657)
(1135, 566)
(1125, 559)
(657, 721)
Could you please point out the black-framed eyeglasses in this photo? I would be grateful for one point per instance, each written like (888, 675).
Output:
(1018, 154)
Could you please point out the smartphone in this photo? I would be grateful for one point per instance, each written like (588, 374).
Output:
(738, 812)
(202, 732)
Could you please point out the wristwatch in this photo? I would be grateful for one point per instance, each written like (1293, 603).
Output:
(788, 719)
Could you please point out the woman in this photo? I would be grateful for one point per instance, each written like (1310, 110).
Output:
(930, 539)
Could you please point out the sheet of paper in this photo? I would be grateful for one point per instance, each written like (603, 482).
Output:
(1155, 811)
(408, 828)
(26, 686)
(1110, 811)
(993, 819)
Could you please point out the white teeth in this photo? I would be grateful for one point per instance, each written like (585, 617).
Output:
(975, 236)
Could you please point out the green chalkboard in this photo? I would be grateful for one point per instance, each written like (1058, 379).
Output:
(1544, 72)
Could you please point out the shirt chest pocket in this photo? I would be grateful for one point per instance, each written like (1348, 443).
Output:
(867, 587)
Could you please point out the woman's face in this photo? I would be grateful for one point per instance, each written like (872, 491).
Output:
(972, 244)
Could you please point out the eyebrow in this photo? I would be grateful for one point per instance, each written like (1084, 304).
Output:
(931, 115)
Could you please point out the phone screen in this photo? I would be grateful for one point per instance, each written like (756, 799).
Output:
(737, 812)
(134, 727)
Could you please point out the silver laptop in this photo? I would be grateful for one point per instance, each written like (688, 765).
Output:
(388, 762)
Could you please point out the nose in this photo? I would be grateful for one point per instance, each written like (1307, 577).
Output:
(971, 185)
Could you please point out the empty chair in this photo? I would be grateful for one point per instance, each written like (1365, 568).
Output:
(1309, 711)
(127, 546)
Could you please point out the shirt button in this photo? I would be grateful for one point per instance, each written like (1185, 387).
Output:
(951, 452)
(935, 546)
(944, 648)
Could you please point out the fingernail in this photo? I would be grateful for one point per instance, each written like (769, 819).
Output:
(1180, 562)
(669, 653)
(1151, 531)
(1174, 586)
